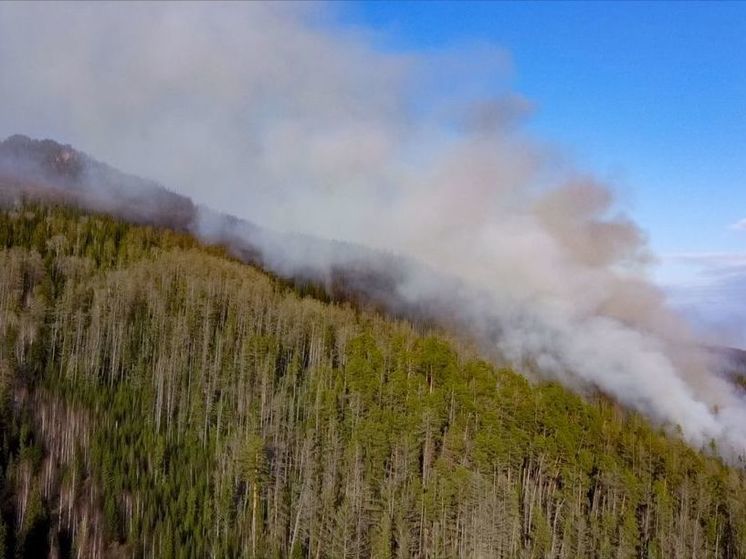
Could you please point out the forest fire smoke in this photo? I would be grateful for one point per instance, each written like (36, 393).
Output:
(278, 116)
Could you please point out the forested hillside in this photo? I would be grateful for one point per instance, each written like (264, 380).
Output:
(158, 399)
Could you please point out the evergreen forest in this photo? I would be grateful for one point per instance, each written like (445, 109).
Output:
(160, 399)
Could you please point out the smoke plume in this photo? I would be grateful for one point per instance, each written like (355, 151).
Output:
(280, 115)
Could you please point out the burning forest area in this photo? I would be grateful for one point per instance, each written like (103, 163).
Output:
(268, 291)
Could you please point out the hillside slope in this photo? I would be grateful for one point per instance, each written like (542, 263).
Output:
(159, 399)
(45, 171)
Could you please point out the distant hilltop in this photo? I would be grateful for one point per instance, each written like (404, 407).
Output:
(48, 159)
(45, 168)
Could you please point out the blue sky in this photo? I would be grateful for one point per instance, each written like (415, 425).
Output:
(650, 96)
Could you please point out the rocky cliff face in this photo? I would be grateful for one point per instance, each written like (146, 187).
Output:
(44, 169)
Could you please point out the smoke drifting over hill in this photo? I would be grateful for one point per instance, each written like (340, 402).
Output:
(274, 114)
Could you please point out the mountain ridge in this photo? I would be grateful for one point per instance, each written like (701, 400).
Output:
(46, 170)
(356, 273)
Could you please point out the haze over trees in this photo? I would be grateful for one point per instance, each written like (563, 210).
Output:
(159, 399)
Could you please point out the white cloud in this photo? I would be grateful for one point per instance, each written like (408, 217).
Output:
(710, 289)
(708, 260)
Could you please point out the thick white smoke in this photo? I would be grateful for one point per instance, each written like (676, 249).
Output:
(276, 114)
